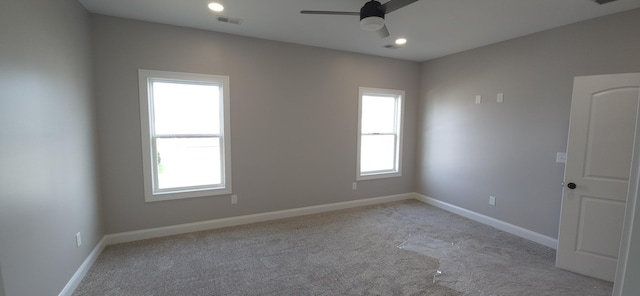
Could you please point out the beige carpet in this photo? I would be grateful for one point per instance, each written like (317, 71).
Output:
(403, 248)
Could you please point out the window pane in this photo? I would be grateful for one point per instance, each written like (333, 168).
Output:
(184, 162)
(377, 153)
(186, 108)
(378, 114)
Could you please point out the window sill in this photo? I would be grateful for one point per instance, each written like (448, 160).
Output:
(378, 176)
(185, 194)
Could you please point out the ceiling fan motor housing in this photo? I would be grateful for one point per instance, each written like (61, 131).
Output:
(372, 16)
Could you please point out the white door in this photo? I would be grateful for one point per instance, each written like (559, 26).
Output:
(601, 136)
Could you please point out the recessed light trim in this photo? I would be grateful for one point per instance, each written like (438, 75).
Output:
(401, 41)
(217, 7)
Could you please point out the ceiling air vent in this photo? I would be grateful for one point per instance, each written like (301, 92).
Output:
(230, 20)
(391, 46)
(603, 1)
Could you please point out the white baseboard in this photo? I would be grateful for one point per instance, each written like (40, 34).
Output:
(499, 224)
(83, 269)
(130, 236)
(124, 237)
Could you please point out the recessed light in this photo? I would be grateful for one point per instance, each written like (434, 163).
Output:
(217, 7)
(401, 41)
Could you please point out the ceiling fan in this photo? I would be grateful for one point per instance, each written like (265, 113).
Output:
(371, 14)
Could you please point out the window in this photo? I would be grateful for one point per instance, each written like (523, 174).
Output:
(185, 134)
(380, 133)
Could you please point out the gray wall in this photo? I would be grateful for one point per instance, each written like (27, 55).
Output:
(467, 152)
(293, 120)
(48, 187)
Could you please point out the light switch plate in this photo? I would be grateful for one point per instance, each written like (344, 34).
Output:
(500, 98)
(478, 99)
(561, 157)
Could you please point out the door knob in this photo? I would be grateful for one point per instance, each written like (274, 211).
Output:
(571, 185)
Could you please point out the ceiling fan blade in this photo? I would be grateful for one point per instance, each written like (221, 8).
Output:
(383, 32)
(395, 5)
(329, 12)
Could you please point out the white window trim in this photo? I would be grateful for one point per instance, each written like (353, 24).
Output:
(144, 76)
(399, 94)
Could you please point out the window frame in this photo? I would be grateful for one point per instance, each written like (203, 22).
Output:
(149, 139)
(398, 133)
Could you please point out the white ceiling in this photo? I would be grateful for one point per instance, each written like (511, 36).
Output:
(434, 28)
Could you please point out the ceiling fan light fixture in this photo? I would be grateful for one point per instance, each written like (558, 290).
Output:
(371, 16)
(372, 23)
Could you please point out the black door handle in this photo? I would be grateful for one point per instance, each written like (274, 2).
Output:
(571, 185)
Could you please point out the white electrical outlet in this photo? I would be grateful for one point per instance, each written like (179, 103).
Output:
(78, 240)
(354, 186)
(234, 199)
(478, 99)
(500, 98)
(492, 200)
